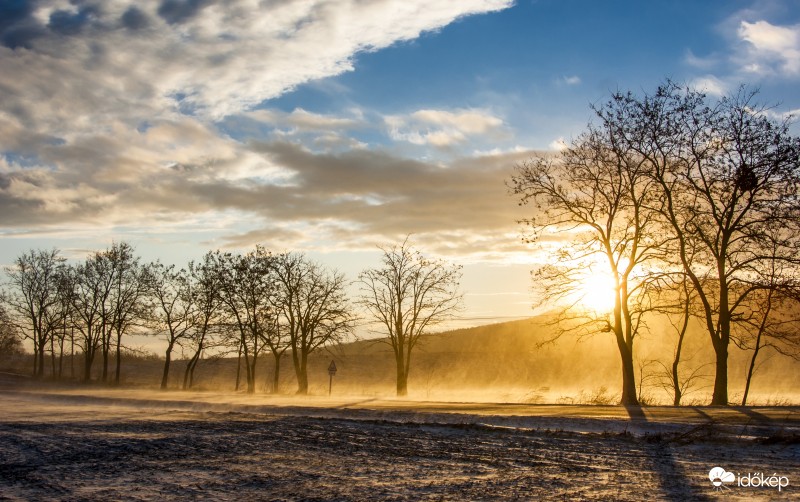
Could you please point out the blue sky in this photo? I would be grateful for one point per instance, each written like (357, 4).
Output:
(333, 126)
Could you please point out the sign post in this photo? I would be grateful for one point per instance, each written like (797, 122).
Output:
(331, 372)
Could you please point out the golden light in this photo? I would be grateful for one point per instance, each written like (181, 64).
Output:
(597, 293)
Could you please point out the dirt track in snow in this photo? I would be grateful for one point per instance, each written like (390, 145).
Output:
(68, 447)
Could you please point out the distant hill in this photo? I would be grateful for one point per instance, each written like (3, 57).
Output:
(509, 361)
(503, 362)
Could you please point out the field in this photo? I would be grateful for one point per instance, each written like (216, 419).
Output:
(116, 444)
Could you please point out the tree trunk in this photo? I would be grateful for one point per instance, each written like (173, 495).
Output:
(628, 375)
(251, 375)
(72, 353)
(749, 376)
(299, 370)
(35, 358)
(88, 359)
(188, 375)
(239, 367)
(302, 374)
(276, 375)
(719, 341)
(720, 396)
(402, 376)
(105, 363)
(61, 356)
(757, 348)
(52, 358)
(106, 340)
(676, 382)
(188, 372)
(167, 360)
(751, 369)
(118, 369)
(40, 370)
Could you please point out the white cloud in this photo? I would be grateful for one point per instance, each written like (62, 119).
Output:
(304, 121)
(558, 144)
(209, 60)
(467, 121)
(573, 80)
(442, 128)
(711, 85)
(771, 48)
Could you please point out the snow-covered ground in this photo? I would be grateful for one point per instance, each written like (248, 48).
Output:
(103, 444)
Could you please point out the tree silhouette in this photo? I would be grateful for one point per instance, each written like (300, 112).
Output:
(409, 295)
(314, 310)
(726, 174)
(598, 193)
(33, 300)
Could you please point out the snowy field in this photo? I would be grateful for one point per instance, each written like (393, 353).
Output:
(97, 444)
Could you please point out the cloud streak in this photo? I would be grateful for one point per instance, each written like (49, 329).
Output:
(443, 128)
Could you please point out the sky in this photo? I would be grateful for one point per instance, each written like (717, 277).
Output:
(334, 126)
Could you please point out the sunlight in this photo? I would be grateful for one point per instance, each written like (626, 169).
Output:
(597, 293)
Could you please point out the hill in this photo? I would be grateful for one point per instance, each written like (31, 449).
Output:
(504, 362)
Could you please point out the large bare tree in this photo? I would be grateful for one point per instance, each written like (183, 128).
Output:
(313, 307)
(595, 198)
(726, 173)
(409, 295)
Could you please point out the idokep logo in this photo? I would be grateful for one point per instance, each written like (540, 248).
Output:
(720, 477)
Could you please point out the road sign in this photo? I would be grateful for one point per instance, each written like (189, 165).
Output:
(331, 372)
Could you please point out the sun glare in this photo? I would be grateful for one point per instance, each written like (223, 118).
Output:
(597, 293)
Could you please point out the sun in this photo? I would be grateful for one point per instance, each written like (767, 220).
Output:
(597, 293)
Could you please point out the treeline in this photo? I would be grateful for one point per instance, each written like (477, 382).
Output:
(248, 304)
(691, 207)
(252, 304)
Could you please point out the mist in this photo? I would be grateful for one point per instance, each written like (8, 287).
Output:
(512, 362)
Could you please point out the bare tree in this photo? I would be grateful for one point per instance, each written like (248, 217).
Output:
(61, 318)
(205, 293)
(409, 295)
(313, 307)
(92, 283)
(173, 312)
(726, 172)
(127, 300)
(278, 343)
(597, 192)
(33, 299)
(247, 289)
(679, 316)
(770, 316)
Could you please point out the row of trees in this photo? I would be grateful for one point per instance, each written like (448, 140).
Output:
(250, 304)
(691, 207)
